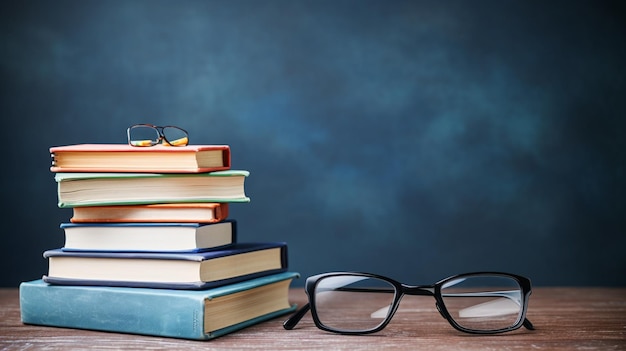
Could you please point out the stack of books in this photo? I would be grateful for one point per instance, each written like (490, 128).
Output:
(150, 248)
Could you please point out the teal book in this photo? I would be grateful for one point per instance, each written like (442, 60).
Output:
(184, 314)
(102, 189)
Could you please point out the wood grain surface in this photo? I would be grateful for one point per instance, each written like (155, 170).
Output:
(581, 318)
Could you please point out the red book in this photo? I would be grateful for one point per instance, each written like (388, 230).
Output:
(126, 158)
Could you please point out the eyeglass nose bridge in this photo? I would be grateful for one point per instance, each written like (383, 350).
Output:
(160, 133)
(418, 290)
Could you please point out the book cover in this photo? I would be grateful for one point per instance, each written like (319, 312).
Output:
(200, 212)
(126, 158)
(198, 270)
(163, 237)
(185, 314)
(99, 189)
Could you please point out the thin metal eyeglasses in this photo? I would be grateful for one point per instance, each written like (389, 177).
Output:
(363, 303)
(142, 135)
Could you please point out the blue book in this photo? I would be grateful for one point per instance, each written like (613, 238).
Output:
(187, 314)
(155, 236)
(194, 270)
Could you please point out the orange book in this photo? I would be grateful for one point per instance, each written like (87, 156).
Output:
(126, 158)
(201, 212)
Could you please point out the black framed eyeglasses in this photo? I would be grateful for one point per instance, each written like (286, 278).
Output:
(142, 135)
(362, 303)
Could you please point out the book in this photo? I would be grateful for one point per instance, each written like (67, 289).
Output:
(200, 212)
(126, 158)
(185, 314)
(196, 270)
(99, 189)
(163, 237)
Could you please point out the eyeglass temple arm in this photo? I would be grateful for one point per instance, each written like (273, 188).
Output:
(528, 325)
(296, 317)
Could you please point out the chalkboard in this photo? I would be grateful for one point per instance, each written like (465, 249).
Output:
(415, 139)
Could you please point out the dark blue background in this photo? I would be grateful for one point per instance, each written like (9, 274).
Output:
(416, 139)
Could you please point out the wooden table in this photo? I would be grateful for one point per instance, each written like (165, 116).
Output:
(565, 318)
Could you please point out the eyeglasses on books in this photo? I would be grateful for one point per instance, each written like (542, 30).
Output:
(362, 303)
(142, 135)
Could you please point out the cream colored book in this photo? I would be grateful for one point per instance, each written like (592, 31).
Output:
(195, 270)
(161, 237)
(102, 189)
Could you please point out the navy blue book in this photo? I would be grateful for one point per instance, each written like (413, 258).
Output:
(196, 270)
(164, 237)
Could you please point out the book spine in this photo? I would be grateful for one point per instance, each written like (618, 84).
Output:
(117, 310)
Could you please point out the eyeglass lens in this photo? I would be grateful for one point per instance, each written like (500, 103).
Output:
(145, 135)
(483, 303)
(352, 303)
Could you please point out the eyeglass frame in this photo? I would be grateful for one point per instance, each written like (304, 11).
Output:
(159, 130)
(400, 290)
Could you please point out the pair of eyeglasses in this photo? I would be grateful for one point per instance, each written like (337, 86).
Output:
(363, 303)
(142, 135)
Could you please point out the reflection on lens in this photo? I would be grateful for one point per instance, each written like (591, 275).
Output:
(175, 136)
(353, 303)
(143, 136)
(483, 302)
